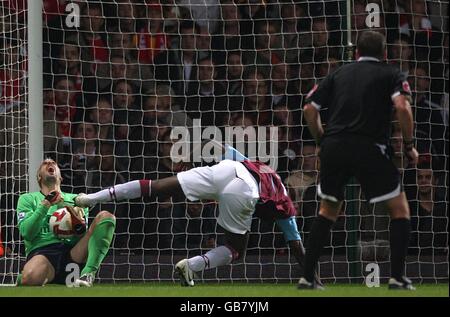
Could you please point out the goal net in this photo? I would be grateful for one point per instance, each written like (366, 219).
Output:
(13, 133)
(120, 75)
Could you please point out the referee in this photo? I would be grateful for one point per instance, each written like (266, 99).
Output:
(361, 98)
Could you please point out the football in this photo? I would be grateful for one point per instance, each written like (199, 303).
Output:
(67, 222)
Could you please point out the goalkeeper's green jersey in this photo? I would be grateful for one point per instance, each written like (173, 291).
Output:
(33, 220)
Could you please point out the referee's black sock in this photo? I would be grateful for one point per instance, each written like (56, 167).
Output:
(318, 236)
(399, 240)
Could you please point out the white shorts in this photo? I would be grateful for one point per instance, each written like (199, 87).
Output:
(229, 183)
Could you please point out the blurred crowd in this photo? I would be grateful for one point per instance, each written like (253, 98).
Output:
(116, 83)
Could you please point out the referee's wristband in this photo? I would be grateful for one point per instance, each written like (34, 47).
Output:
(408, 144)
(318, 140)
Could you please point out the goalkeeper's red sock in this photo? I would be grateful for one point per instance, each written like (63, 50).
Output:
(129, 190)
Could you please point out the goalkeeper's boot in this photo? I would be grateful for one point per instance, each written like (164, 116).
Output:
(85, 280)
(81, 200)
(185, 273)
(404, 283)
(304, 284)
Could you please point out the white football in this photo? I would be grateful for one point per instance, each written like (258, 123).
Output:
(60, 223)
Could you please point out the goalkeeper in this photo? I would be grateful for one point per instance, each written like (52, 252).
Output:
(242, 188)
(48, 255)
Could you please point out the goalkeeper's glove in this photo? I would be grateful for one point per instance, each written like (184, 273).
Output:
(78, 222)
(53, 197)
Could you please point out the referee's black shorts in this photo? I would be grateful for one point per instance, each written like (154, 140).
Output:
(342, 157)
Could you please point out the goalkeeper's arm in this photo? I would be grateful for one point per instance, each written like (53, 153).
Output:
(30, 219)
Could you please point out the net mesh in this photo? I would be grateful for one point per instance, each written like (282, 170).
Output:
(118, 75)
(13, 132)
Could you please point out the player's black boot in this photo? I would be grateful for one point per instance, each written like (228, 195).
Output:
(304, 284)
(404, 283)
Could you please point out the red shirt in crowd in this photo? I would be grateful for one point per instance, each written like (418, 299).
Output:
(149, 45)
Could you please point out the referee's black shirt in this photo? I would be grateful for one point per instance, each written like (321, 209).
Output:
(359, 98)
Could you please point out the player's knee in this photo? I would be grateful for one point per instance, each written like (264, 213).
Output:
(32, 277)
(237, 253)
(160, 187)
(330, 209)
(237, 256)
(105, 215)
(169, 186)
(399, 207)
(155, 187)
(400, 212)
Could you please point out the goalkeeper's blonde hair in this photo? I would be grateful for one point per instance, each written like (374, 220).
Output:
(38, 173)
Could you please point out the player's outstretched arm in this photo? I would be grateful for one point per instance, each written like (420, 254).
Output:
(298, 250)
(162, 188)
(291, 234)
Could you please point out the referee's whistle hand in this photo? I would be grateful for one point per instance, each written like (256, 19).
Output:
(318, 158)
(413, 156)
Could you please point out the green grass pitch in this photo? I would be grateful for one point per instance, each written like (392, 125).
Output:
(223, 290)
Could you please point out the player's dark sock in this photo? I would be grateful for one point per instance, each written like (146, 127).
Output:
(399, 241)
(318, 236)
(98, 245)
